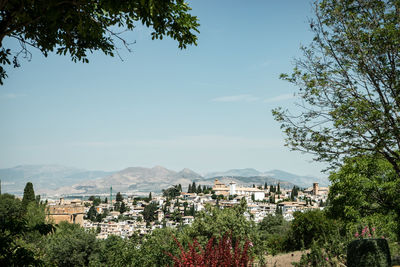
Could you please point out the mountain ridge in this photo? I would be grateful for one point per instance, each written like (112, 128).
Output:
(58, 179)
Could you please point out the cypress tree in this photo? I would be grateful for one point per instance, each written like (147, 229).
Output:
(119, 197)
(190, 189)
(265, 185)
(29, 195)
(193, 187)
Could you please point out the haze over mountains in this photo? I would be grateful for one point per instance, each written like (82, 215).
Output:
(57, 180)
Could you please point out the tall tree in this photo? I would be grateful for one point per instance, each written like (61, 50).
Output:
(122, 208)
(349, 81)
(119, 197)
(194, 188)
(149, 212)
(29, 195)
(79, 27)
(190, 189)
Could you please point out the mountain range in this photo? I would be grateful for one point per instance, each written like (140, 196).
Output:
(57, 180)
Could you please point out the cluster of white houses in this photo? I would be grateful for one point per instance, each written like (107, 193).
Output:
(131, 221)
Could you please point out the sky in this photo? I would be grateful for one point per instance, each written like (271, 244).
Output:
(207, 108)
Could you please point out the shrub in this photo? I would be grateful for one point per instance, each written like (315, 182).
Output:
(368, 252)
(221, 253)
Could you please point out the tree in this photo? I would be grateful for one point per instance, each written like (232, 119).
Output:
(96, 201)
(362, 187)
(149, 212)
(79, 27)
(194, 188)
(92, 214)
(265, 185)
(294, 193)
(21, 231)
(279, 189)
(29, 195)
(307, 227)
(119, 197)
(272, 189)
(272, 224)
(72, 245)
(190, 188)
(171, 192)
(349, 84)
(123, 208)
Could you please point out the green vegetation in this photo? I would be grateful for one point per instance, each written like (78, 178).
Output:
(71, 245)
(349, 84)
(368, 252)
(80, 27)
(22, 229)
(149, 212)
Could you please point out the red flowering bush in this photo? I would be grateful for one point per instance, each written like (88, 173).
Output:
(214, 254)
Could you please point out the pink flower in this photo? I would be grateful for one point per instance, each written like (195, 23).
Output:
(357, 234)
(382, 237)
(326, 259)
(369, 235)
(373, 229)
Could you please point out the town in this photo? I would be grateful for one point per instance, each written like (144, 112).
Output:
(125, 215)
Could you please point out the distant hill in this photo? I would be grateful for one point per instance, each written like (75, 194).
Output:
(58, 180)
(135, 180)
(249, 181)
(13, 180)
(302, 181)
(235, 172)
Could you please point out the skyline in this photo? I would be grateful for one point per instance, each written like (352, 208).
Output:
(207, 108)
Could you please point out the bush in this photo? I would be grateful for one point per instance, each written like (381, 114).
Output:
(307, 227)
(222, 253)
(368, 252)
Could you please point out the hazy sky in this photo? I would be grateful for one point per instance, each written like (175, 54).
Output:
(207, 108)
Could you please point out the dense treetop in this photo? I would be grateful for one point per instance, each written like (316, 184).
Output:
(79, 27)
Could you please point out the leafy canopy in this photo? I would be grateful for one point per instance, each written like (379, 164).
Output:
(80, 26)
(349, 83)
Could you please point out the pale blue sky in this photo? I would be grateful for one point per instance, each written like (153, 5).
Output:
(206, 108)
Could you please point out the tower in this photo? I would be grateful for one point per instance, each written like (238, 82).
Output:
(232, 188)
(111, 195)
(315, 189)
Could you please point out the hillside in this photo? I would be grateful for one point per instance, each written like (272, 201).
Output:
(58, 180)
(44, 177)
